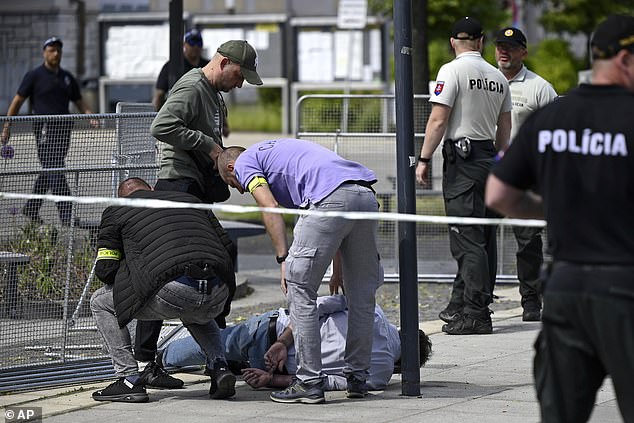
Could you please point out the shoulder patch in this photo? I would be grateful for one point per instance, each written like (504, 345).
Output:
(439, 86)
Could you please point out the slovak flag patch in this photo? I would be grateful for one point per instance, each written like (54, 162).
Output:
(439, 86)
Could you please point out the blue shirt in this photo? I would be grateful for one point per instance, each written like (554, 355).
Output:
(298, 172)
(50, 92)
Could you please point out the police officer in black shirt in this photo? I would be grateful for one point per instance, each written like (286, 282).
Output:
(192, 58)
(579, 153)
(50, 89)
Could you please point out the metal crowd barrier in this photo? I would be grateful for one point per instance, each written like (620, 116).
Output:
(47, 255)
(47, 250)
(362, 127)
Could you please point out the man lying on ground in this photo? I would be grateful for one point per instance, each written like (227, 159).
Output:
(262, 347)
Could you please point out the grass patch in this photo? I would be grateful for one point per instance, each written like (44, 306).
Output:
(255, 118)
(430, 205)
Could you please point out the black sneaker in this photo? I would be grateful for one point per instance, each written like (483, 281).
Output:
(301, 392)
(223, 381)
(122, 390)
(451, 313)
(357, 388)
(468, 325)
(531, 315)
(155, 376)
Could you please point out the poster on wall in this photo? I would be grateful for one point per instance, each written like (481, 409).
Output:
(214, 37)
(349, 55)
(124, 56)
(315, 56)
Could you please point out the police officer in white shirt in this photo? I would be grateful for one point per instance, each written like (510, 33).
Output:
(529, 92)
(471, 111)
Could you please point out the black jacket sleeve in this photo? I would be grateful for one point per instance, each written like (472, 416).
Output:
(109, 248)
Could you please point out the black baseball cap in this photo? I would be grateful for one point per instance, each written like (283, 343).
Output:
(242, 53)
(194, 38)
(511, 35)
(51, 41)
(612, 35)
(467, 28)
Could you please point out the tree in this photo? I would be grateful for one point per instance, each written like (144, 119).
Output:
(432, 21)
(583, 16)
(580, 16)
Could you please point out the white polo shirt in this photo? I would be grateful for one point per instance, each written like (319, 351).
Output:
(477, 93)
(529, 92)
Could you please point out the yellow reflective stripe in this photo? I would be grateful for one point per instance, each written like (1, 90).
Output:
(107, 254)
(256, 182)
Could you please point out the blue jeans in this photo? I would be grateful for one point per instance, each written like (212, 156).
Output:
(316, 240)
(247, 341)
(174, 300)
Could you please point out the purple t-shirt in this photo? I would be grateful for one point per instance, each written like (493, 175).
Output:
(298, 172)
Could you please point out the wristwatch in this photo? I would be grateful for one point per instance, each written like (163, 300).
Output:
(423, 159)
(281, 259)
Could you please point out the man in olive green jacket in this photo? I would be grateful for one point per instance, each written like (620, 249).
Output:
(190, 124)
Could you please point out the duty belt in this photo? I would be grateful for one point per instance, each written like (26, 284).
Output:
(203, 286)
(462, 147)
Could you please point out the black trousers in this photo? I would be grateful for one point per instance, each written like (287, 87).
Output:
(473, 247)
(587, 334)
(530, 258)
(148, 331)
(52, 140)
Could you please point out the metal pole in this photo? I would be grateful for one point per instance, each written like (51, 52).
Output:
(176, 67)
(406, 197)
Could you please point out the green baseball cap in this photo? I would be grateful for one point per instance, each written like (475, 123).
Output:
(242, 53)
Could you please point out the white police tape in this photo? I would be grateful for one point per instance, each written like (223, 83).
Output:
(351, 215)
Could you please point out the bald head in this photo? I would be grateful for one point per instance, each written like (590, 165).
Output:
(131, 185)
(226, 162)
(229, 155)
(461, 46)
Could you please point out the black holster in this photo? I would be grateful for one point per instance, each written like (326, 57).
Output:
(462, 147)
(448, 152)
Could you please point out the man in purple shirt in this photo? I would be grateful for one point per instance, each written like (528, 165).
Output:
(301, 174)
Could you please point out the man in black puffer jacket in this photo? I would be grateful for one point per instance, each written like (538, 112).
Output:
(160, 264)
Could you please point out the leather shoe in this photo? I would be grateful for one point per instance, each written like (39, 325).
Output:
(531, 315)
(468, 325)
(450, 314)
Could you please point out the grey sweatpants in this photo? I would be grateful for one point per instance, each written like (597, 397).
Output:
(316, 240)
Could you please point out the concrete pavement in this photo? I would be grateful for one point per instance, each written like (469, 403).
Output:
(485, 378)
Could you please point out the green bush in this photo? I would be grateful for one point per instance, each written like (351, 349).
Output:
(264, 116)
(255, 117)
(44, 277)
(270, 96)
(439, 53)
(553, 61)
(325, 114)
